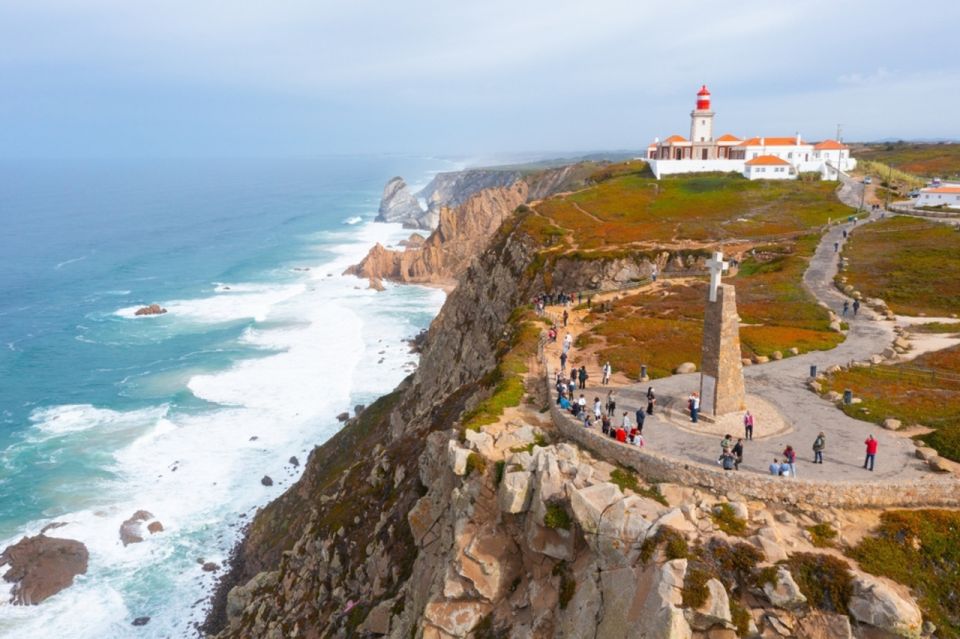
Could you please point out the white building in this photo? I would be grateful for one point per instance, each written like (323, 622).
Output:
(768, 167)
(944, 195)
(729, 153)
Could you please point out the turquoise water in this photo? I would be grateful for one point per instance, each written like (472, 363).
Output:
(103, 413)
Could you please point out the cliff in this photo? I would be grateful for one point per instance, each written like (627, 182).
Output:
(399, 205)
(469, 206)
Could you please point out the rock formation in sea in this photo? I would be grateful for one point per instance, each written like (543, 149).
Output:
(399, 205)
(152, 309)
(40, 567)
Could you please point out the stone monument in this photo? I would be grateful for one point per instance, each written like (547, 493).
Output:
(721, 370)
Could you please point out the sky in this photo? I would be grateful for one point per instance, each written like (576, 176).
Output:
(238, 78)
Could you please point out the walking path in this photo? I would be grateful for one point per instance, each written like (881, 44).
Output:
(784, 385)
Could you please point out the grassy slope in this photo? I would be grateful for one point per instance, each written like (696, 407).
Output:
(914, 265)
(899, 392)
(928, 160)
(626, 205)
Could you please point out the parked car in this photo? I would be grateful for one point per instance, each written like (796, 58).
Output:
(914, 193)
(868, 180)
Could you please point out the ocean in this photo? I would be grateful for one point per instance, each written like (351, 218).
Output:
(103, 413)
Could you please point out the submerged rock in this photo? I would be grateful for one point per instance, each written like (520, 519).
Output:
(140, 621)
(267, 480)
(131, 530)
(153, 309)
(41, 566)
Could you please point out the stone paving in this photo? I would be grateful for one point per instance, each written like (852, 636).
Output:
(783, 384)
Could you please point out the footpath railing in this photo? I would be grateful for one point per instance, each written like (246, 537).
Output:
(657, 467)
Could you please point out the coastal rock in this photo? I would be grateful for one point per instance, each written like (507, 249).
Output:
(376, 284)
(414, 241)
(153, 309)
(714, 611)
(397, 204)
(40, 567)
(293, 461)
(210, 566)
(342, 417)
(267, 480)
(784, 592)
(513, 496)
(140, 621)
(131, 530)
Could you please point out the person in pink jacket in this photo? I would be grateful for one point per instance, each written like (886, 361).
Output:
(872, 445)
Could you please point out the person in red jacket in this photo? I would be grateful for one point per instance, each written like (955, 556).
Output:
(621, 435)
(871, 451)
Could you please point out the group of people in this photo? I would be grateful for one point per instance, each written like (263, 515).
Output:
(846, 307)
(731, 454)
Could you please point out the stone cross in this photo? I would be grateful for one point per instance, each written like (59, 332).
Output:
(716, 266)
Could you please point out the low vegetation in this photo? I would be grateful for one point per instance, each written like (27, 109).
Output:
(822, 535)
(913, 265)
(927, 160)
(568, 584)
(824, 580)
(557, 517)
(921, 549)
(726, 519)
(936, 327)
(673, 542)
(924, 391)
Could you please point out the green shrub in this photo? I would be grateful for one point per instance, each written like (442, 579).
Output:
(741, 618)
(625, 479)
(499, 469)
(568, 586)
(695, 591)
(476, 462)
(822, 535)
(726, 520)
(824, 580)
(674, 545)
(557, 517)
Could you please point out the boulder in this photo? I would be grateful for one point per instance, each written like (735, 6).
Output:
(589, 504)
(140, 621)
(376, 284)
(939, 464)
(816, 624)
(901, 343)
(154, 527)
(793, 350)
(925, 453)
(482, 443)
(686, 367)
(152, 309)
(378, 620)
(784, 593)
(210, 566)
(41, 566)
(876, 603)
(760, 359)
(776, 355)
(293, 461)
(772, 549)
(457, 456)
(833, 396)
(513, 496)
(266, 480)
(892, 424)
(456, 618)
(746, 361)
(342, 417)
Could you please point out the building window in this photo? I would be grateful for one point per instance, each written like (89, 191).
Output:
(790, 155)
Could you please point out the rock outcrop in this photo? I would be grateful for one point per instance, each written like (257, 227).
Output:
(399, 205)
(41, 566)
(152, 309)
(131, 530)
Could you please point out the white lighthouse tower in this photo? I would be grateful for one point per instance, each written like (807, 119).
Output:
(701, 127)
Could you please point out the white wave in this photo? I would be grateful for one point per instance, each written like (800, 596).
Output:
(60, 265)
(355, 219)
(72, 418)
(246, 302)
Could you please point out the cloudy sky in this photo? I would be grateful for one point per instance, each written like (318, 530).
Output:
(297, 77)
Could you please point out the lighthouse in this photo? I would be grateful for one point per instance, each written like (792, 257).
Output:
(701, 118)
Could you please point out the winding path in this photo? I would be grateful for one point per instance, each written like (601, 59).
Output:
(783, 384)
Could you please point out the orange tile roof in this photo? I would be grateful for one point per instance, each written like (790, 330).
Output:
(728, 138)
(767, 160)
(830, 145)
(942, 189)
(675, 138)
(791, 141)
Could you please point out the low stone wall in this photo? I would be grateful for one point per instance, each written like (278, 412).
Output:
(655, 467)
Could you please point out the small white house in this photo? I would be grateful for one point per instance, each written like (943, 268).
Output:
(768, 167)
(944, 195)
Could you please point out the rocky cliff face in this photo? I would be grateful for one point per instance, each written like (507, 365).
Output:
(399, 205)
(462, 233)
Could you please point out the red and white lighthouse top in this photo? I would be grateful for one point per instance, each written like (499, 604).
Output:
(703, 99)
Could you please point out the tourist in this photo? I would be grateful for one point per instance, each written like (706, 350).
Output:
(565, 317)
(836, 247)
(605, 424)
(563, 361)
(583, 377)
(726, 443)
(818, 445)
(626, 421)
(587, 419)
(564, 403)
(582, 401)
(856, 307)
(728, 461)
(653, 273)
(589, 301)
(641, 417)
(738, 453)
(637, 439)
(748, 426)
(872, 445)
(567, 342)
(606, 374)
(784, 469)
(790, 458)
(651, 400)
(596, 407)
(694, 406)
(611, 403)
(575, 409)
(621, 436)
(846, 307)
(844, 233)
(775, 467)
(571, 386)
